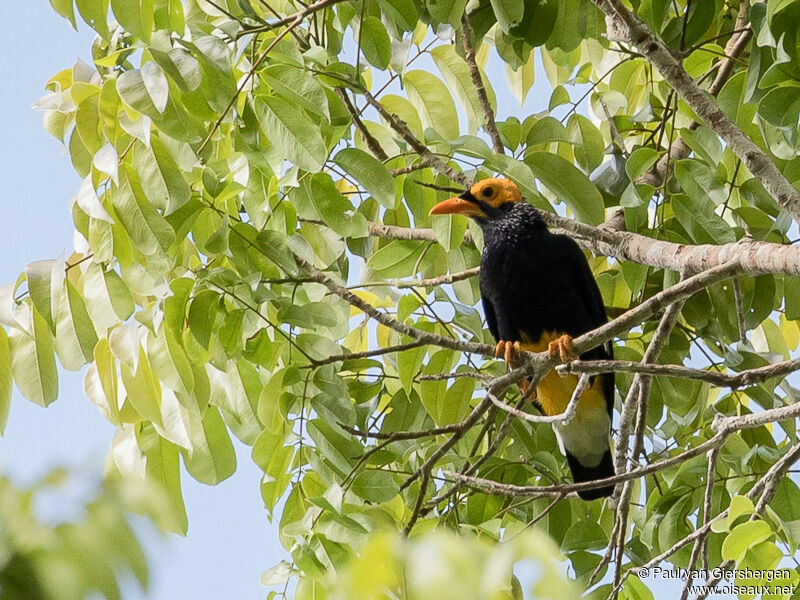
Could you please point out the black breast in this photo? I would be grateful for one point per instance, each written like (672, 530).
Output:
(534, 281)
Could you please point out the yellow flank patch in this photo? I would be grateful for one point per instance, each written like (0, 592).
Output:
(555, 391)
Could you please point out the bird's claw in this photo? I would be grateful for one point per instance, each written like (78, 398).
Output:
(562, 347)
(509, 351)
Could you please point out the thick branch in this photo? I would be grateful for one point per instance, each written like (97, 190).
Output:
(754, 257)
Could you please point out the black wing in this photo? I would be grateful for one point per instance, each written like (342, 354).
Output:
(491, 319)
(586, 287)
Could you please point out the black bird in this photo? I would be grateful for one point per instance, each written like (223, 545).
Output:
(538, 293)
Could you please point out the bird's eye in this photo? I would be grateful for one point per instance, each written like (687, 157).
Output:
(487, 192)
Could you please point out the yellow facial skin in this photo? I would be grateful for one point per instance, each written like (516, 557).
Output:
(494, 192)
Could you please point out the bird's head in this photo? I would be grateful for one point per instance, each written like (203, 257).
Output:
(486, 200)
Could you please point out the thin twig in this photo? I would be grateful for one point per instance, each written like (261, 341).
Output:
(563, 418)
(742, 379)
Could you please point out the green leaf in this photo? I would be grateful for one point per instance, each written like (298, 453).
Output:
(700, 220)
(97, 297)
(119, 295)
(181, 66)
(446, 11)
(143, 387)
(45, 282)
(699, 181)
(587, 142)
(66, 10)
(211, 458)
(731, 101)
(148, 230)
(369, 172)
(293, 135)
(457, 401)
(275, 458)
(408, 364)
(508, 13)
(781, 106)
(169, 362)
(173, 119)
(569, 185)
(275, 247)
(739, 506)
(640, 161)
(136, 17)
(75, 334)
(375, 486)
(101, 384)
(434, 102)
(94, 14)
(395, 259)
(743, 537)
(521, 80)
(163, 468)
(33, 363)
(375, 43)
(202, 315)
(405, 110)
(269, 405)
(298, 87)
(402, 13)
(456, 75)
(235, 393)
(449, 230)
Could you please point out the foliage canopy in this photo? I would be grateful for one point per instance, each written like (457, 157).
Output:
(255, 257)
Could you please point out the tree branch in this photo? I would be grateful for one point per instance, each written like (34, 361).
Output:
(737, 380)
(372, 143)
(632, 30)
(754, 257)
(477, 83)
(679, 149)
(302, 14)
(724, 427)
(366, 354)
(404, 132)
(418, 334)
(564, 418)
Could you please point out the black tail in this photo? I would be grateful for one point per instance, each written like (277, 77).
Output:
(580, 473)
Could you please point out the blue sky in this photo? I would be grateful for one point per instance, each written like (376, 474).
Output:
(230, 542)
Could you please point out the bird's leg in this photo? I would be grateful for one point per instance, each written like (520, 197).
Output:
(562, 347)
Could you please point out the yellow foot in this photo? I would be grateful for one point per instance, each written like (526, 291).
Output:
(562, 347)
(508, 351)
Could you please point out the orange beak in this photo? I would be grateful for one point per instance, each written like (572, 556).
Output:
(456, 205)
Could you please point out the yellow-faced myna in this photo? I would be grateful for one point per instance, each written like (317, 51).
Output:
(538, 293)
